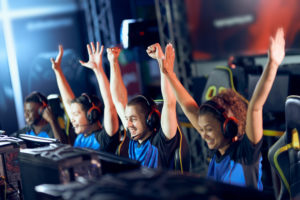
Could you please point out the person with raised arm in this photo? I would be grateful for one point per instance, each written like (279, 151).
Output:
(84, 111)
(228, 127)
(151, 138)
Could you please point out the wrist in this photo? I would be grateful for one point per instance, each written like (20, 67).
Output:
(272, 62)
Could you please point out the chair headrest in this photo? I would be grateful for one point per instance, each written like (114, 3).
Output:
(292, 115)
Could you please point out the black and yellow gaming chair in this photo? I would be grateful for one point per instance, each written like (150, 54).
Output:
(284, 155)
(219, 79)
(58, 109)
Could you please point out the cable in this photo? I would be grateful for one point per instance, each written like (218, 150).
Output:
(180, 149)
(124, 138)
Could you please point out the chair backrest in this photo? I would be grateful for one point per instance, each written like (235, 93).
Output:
(284, 155)
(54, 100)
(219, 78)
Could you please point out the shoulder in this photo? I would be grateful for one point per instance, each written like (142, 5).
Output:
(160, 136)
(103, 135)
(245, 150)
(21, 131)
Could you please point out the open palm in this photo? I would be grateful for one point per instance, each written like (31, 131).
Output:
(276, 49)
(95, 56)
(168, 62)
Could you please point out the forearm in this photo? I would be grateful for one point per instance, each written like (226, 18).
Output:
(185, 100)
(65, 90)
(254, 124)
(264, 86)
(111, 122)
(168, 115)
(58, 132)
(118, 90)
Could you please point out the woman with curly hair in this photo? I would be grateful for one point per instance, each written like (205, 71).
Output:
(228, 127)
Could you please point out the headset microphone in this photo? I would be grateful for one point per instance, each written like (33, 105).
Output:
(83, 125)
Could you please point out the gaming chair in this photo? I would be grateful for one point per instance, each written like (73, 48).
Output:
(284, 155)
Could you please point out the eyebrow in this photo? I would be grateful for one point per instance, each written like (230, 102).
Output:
(131, 116)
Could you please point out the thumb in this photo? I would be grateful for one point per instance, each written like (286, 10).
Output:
(52, 61)
(83, 63)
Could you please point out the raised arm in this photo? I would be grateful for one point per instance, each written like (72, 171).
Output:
(185, 100)
(168, 115)
(111, 121)
(117, 86)
(57, 131)
(65, 90)
(254, 124)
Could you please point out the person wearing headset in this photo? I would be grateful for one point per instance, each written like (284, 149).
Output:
(228, 127)
(151, 138)
(40, 119)
(84, 111)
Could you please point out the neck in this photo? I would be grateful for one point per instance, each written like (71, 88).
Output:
(223, 149)
(146, 136)
(94, 127)
(37, 127)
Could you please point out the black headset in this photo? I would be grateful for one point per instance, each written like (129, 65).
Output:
(93, 114)
(153, 118)
(229, 125)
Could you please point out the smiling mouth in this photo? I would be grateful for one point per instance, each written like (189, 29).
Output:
(209, 142)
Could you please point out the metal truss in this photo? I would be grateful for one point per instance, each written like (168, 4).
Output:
(172, 24)
(99, 21)
(171, 16)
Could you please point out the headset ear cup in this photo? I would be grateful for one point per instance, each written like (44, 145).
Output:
(41, 110)
(153, 119)
(230, 128)
(93, 115)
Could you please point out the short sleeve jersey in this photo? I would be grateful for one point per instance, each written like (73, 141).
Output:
(155, 152)
(46, 132)
(98, 140)
(240, 165)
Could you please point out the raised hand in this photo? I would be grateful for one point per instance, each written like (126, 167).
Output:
(155, 51)
(57, 62)
(276, 48)
(95, 56)
(113, 53)
(168, 62)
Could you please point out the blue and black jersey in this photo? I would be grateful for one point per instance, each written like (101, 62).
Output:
(240, 165)
(98, 140)
(155, 152)
(46, 132)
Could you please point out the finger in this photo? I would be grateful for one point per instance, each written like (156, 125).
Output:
(271, 39)
(101, 50)
(97, 48)
(93, 47)
(83, 63)
(89, 49)
(60, 53)
(52, 61)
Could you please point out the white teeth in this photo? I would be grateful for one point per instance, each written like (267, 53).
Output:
(209, 141)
